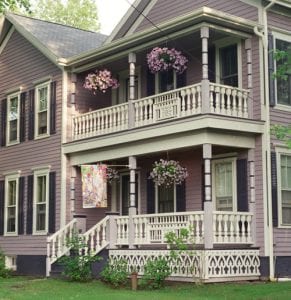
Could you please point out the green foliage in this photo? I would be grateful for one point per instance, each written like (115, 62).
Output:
(155, 273)
(4, 272)
(78, 265)
(81, 14)
(115, 273)
(284, 64)
(282, 133)
(14, 5)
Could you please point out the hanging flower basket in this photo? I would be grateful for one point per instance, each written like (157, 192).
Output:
(111, 174)
(100, 80)
(164, 59)
(168, 172)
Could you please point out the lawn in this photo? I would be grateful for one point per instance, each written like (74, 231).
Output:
(25, 288)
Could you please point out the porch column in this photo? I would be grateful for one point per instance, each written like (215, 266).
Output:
(132, 201)
(131, 114)
(208, 204)
(248, 48)
(252, 191)
(73, 190)
(204, 33)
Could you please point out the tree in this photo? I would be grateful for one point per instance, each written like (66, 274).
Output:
(82, 14)
(14, 5)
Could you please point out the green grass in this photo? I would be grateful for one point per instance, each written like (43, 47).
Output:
(51, 289)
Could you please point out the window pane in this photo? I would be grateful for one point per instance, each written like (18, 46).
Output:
(13, 130)
(42, 122)
(41, 189)
(283, 86)
(166, 81)
(40, 216)
(13, 111)
(286, 207)
(229, 65)
(166, 199)
(11, 211)
(12, 193)
(42, 98)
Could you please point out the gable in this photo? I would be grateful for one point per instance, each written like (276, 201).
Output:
(159, 11)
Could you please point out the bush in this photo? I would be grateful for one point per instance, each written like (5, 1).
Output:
(4, 272)
(78, 265)
(155, 273)
(115, 273)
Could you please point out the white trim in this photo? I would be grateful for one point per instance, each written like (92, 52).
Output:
(234, 176)
(8, 178)
(36, 174)
(36, 112)
(9, 98)
(7, 38)
(157, 199)
(228, 41)
(41, 168)
(279, 152)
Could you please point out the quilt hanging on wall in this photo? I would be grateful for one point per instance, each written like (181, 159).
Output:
(94, 186)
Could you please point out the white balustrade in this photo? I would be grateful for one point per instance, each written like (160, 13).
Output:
(151, 229)
(57, 244)
(95, 238)
(102, 121)
(232, 227)
(122, 230)
(228, 100)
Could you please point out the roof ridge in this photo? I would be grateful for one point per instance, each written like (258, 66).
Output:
(54, 23)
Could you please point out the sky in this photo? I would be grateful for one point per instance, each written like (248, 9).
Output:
(110, 12)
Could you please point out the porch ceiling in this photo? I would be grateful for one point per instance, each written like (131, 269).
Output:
(167, 136)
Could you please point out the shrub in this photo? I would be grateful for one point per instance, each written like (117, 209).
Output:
(78, 264)
(155, 273)
(4, 272)
(115, 273)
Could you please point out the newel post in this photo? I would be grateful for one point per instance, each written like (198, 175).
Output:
(131, 112)
(204, 34)
(208, 204)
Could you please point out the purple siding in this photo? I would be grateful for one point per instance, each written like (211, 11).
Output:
(164, 10)
(20, 65)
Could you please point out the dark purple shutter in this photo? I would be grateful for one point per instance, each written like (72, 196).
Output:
(52, 202)
(22, 117)
(2, 184)
(150, 83)
(274, 189)
(150, 195)
(21, 205)
(3, 121)
(242, 185)
(181, 197)
(31, 115)
(181, 80)
(29, 208)
(53, 108)
(272, 95)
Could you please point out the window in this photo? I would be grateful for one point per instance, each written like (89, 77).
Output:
(42, 110)
(283, 85)
(165, 81)
(223, 177)
(40, 201)
(11, 204)
(13, 114)
(284, 188)
(165, 199)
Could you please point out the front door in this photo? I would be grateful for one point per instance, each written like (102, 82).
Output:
(124, 193)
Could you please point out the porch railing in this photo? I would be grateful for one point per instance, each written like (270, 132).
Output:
(232, 227)
(186, 101)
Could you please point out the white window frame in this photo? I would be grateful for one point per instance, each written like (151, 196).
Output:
(287, 38)
(279, 153)
(224, 43)
(36, 174)
(8, 178)
(157, 198)
(12, 96)
(234, 176)
(36, 113)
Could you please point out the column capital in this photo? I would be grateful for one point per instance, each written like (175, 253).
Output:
(204, 32)
(132, 57)
(207, 151)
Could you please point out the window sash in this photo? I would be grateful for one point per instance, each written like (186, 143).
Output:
(11, 205)
(42, 109)
(165, 199)
(285, 189)
(13, 111)
(229, 65)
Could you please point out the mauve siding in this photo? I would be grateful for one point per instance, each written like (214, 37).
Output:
(282, 236)
(20, 65)
(167, 9)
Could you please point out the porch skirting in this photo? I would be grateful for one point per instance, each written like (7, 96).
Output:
(202, 265)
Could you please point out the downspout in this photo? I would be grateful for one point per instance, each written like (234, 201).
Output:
(264, 36)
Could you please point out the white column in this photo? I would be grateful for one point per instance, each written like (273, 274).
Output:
(131, 61)
(73, 189)
(252, 191)
(132, 201)
(208, 204)
(204, 33)
(248, 48)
